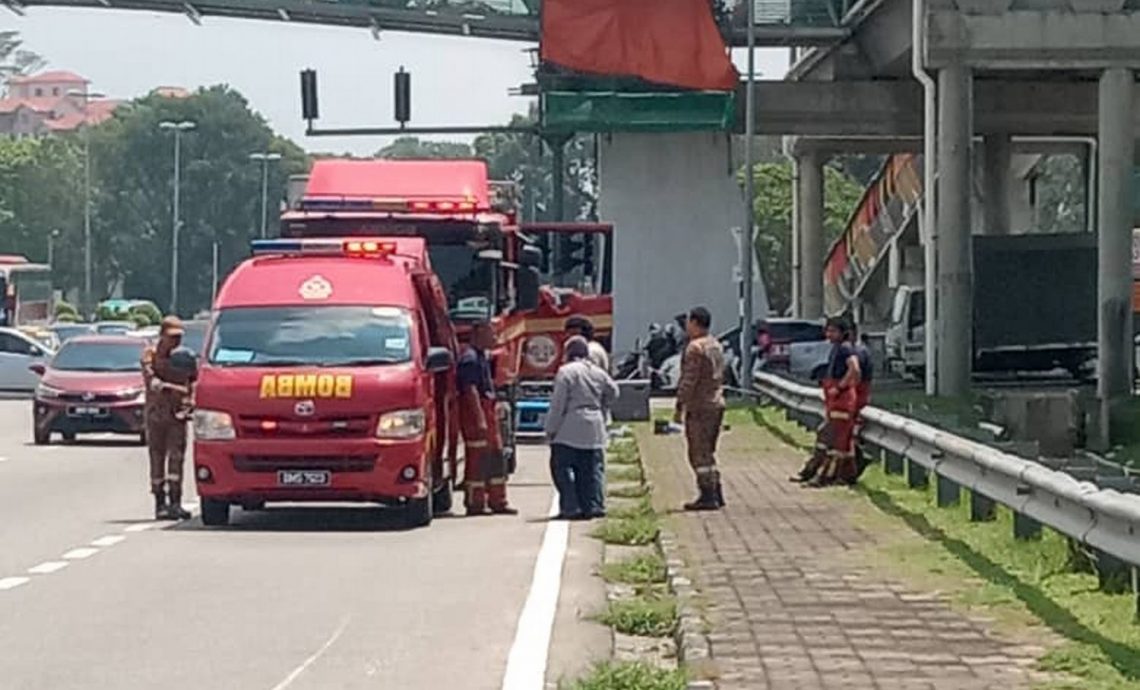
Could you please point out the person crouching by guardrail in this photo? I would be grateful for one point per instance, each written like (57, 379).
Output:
(834, 457)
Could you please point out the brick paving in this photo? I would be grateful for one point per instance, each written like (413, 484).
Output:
(787, 608)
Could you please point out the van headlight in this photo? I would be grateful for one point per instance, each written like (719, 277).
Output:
(45, 391)
(210, 425)
(401, 424)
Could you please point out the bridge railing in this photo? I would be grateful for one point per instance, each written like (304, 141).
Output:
(1104, 520)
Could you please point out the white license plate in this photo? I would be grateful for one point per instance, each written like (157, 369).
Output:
(87, 412)
(303, 477)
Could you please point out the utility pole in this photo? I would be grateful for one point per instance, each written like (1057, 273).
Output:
(264, 158)
(86, 96)
(51, 247)
(747, 238)
(178, 128)
(214, 292)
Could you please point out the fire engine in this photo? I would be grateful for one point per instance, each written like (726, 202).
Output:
(488, 263)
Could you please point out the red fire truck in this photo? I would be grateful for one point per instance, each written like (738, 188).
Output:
(488, 265)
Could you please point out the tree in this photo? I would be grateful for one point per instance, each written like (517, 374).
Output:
(1061, 191)
(772, 207)
(14, 59)
(413, 147)
(220, 192)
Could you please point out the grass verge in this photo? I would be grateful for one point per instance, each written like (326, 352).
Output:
(623, 473)
(640, 570)
(629, 676)
(650, 614)
(629, 491)
(636, 530)
(1022, 583)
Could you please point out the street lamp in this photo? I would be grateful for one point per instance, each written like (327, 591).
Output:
(176, 223)
(52, 237)
(264, 159)
(748, 240)
(87, 97)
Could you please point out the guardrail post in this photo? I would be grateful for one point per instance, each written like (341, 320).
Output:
(893, 462)
(1113, 574)
(1025, 527)
(949, 493)
(1136, 590)
(982, 509)
(916, 475)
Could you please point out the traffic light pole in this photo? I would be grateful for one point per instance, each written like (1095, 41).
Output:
(557, 144)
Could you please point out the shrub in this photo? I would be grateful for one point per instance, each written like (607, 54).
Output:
(66, 309)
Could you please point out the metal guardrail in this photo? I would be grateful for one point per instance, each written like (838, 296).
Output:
(1103, 519)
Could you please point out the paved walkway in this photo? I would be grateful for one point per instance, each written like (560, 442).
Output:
(787, 607)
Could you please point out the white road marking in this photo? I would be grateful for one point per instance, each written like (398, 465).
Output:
(140, 527)
(3, 459)
(109, 540)
(296, 673)
(526, 665)
(76, 554)
(12, 582)
(48, 567)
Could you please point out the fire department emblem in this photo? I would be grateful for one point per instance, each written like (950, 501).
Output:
(316, 288)
(305, 408)
(540, 351)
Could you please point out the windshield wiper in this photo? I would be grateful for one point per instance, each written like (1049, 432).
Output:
(362, 362)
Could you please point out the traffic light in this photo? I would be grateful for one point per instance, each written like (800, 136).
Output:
(309, 109)
(576, 250)
(403, 97)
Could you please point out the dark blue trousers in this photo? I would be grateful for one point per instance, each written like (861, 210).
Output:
(579, 476)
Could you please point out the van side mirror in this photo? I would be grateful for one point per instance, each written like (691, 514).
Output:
(38, 369)
(528, 282)
(439, 360)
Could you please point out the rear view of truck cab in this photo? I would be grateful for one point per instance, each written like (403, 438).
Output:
(324, 381)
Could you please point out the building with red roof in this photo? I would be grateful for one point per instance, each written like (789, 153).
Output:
(52, 101)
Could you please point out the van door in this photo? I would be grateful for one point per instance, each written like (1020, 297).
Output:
(433, 306)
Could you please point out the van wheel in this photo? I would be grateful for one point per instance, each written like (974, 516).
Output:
(69, 436)
(441, 500)
(215, 513)
(418, 512)
(142, 439)
(41, 438)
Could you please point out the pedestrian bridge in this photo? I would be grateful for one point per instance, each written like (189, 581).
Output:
(779, 22)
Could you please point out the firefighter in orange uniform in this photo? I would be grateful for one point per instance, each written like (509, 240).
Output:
(485, 471)
(168, 393)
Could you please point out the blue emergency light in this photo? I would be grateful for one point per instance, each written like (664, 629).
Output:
(323, 247)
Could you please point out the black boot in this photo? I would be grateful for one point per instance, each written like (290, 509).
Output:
(160, 508)
(175, 511)
(718, 492)
(706, 501)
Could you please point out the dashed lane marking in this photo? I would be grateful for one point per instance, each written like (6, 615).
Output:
(526, 665)
(80, 553)
(48, 567)
(109, 540)
(296, 673)
(12, 582)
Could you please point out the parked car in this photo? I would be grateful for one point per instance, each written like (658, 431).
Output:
(18, 352)
(42, 335)
(775, 336)
(93, 384)
(67, 331)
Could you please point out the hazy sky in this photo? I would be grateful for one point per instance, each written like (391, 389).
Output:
(455, 81)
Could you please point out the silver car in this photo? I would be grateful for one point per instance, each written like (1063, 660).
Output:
(18, 352)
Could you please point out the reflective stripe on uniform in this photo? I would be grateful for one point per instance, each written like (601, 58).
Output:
(496, 481)
(477, 444)
(836, 414)
(706, 469)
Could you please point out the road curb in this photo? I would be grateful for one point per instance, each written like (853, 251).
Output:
(692, 644)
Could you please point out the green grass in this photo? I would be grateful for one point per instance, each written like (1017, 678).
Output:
(1102, 647)
(623, 473)
(623, 457)
(629, 491)
(638, 530)
(643, 507)
(952, 413)
(611, 675)
(640, 570)
(650, 615)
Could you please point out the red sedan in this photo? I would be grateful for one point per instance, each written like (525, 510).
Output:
(93, 384)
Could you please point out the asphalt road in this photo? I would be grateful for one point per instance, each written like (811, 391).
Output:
(95, 595)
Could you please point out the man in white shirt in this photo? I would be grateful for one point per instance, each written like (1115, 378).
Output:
(580, 325)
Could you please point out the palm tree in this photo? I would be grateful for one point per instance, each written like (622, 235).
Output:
(14, 60)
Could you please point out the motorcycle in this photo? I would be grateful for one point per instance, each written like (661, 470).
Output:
(658, 358)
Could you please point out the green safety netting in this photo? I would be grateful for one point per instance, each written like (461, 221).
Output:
(613, 111)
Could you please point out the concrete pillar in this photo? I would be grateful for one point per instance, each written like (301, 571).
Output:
(797, 253)
(1114, 214)
(997, 156)
(955, 271)
(810, 207)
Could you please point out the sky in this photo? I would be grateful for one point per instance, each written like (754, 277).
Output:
(455, 80)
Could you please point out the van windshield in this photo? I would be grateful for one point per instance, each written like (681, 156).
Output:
(326, 336)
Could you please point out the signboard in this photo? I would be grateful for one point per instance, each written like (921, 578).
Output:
(883, 212)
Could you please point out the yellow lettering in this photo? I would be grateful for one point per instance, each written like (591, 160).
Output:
(285, 386)
(305, 386)
(269, 386)
(344, 386)
(325, 385)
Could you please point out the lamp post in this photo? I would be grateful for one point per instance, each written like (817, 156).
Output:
(178, 128)
(87, 97)
(52, 236)
(748, 239)
(264, 158)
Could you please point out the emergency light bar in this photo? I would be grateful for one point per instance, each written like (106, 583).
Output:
(458, 205)
(323, 247)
